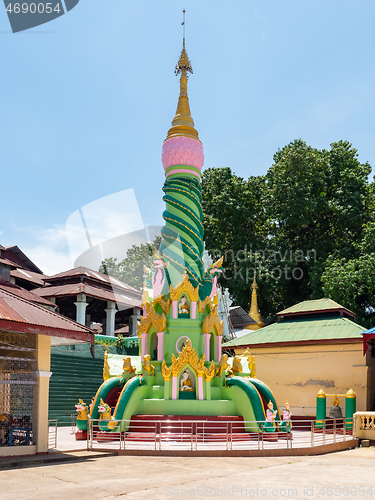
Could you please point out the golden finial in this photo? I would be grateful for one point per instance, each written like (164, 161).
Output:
(350, 394)
(336, 401)
(183, 124)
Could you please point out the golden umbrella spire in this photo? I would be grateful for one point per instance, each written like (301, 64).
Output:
(183, 124)
(254, 310)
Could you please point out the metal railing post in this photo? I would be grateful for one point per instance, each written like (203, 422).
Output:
(191, 436)
(334, 430)
(231, 435)
(312, 433)
(155, 434)
(324, 431)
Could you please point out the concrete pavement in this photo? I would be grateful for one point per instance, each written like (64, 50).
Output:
(348, 474)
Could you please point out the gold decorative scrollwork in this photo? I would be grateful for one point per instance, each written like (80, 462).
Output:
(165, 304)
(218, 263)
(152, 318)
(203, 304)
(190, 357)
(212, 321)
(185, 286)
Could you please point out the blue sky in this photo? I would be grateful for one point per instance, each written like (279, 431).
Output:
(87, 99)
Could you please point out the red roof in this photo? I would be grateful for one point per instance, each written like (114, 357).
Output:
(31, 276)
(16, 255)
(7, 262)
(93, 284)
(90, 291)
(94, 275)
(20, 315)
(24, 294)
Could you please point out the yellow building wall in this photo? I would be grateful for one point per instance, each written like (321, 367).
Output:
(296, 373)
(40, 405)
(44, 365)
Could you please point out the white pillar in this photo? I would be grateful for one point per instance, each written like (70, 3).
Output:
(135, 317)
(110, 320)
(81, 305)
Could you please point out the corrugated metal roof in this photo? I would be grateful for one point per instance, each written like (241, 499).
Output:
(312, 306)
(31, 276)
(95, 275)
(90, 291)
(240, 318)
(372, 330)
(302, 330)
(25, 294)
(7, 262)
(21, 258)
(17, 309)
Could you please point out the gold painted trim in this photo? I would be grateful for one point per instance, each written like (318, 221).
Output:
(185, 286)
(187, 356)
(152, 318)
(212, 321)
(165, 304)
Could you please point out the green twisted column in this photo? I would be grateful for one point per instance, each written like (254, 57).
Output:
(182, 245)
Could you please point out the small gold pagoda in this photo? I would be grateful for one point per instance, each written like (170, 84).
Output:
(254, 312)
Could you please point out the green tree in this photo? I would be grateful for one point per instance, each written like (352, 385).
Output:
(130, 269)
(311, 204)
(234, 221)
(318, 201)
(351, 282)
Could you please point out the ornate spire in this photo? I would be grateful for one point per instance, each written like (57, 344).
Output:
(183, 124)
(254, 310)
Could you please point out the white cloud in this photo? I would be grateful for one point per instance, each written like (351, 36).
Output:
(48, 249)
(49, 260)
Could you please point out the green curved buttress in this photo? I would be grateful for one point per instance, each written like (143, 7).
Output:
(131, 385)
(266, 392)
(182, 245)
(251, 392)
(103, 392)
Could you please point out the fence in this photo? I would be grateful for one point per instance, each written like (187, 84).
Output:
(364, 424)
(224, 435)
(52, 434)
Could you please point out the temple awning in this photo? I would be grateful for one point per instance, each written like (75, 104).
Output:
(368, 337)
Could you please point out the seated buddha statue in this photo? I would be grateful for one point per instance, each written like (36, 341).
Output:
(185, 383)
(183, 306)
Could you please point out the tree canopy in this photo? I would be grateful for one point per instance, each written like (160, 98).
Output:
(307, 213)
(130, 269)
(306, 229)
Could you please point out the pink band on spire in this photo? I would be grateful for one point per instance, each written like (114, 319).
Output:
(182, 151)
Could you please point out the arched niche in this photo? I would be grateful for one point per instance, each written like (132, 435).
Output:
(153, 344)
(213, 346)
(184, 306)
(191, 391)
